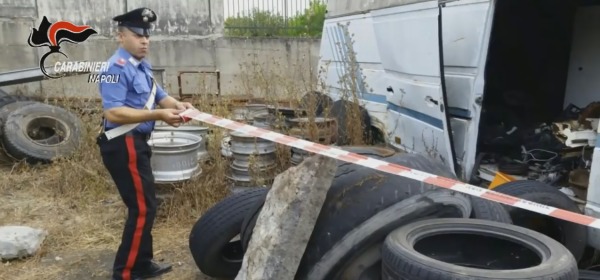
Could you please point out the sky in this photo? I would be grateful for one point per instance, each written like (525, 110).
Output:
(244, 6)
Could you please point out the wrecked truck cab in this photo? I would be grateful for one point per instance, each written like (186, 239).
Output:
(487, 87)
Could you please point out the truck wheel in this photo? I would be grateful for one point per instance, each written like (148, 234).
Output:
(5, 100)
(9, 108)
(572, 235)
(427, 250)
(27, 129)
(210, 239)
(338, 262)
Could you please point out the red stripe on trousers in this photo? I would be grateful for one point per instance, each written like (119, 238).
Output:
(141, 219)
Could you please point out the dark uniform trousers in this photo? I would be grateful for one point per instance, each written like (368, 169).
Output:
(127, 159)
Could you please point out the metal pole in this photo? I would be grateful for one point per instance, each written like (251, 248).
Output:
(285, 3)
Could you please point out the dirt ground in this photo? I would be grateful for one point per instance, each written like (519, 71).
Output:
(77, 203)
(82, 234)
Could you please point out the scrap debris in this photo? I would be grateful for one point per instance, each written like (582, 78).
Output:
(557, 153)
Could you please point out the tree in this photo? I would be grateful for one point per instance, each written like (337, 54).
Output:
(262, 23)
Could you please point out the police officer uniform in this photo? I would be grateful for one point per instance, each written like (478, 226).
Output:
(126, 153)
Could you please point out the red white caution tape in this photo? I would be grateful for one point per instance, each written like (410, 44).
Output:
(392, 168)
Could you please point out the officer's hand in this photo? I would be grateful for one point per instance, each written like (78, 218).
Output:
(184, 105)
(171, 116)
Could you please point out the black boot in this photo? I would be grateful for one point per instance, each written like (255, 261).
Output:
(154, 270)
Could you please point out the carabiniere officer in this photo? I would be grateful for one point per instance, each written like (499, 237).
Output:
(129, 116)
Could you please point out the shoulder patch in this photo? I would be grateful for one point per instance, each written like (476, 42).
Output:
(121, 62)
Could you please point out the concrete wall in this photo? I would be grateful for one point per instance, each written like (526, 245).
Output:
(187, 37)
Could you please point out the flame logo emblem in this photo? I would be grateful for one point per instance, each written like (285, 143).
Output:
(53, 34)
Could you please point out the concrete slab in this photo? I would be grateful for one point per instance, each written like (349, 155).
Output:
(182, 53)
(97, 14)
(18, 9)
(19, 30)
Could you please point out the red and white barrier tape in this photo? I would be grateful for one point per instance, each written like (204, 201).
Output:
(392, 168)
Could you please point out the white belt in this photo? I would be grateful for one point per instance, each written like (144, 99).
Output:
(120, 130)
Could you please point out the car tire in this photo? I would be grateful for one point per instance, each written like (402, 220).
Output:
(319, 100)
(8, 99)
(339, 111)
(370, 151)
(210, 238)
(484, 209)
(249, 221)
(427, 250)
(348, 174)
(337, 263)
(588, 275)
(5, 158)
(9, 108)
(572, 235)
(3, 93)
(45, 121)
(356, 194)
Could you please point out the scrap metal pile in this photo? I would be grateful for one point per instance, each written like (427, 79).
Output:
(253, 158)
(36, 132)
(557, 153)
(375, 225)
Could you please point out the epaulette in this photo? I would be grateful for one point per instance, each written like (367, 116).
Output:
(120, 62)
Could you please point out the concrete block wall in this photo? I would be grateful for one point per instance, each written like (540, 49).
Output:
(187, 37)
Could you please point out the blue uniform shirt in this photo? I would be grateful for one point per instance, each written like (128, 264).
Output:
(133, 87)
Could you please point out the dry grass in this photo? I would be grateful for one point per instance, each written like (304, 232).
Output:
(76, 202)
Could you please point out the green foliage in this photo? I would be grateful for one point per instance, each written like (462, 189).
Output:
(267, 24)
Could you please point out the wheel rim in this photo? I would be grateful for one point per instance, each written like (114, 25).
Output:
(47, 131)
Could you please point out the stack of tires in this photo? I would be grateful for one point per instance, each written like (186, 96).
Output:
(374, 225)
(37, 132)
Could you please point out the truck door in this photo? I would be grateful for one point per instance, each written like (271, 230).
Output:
(408, 38)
